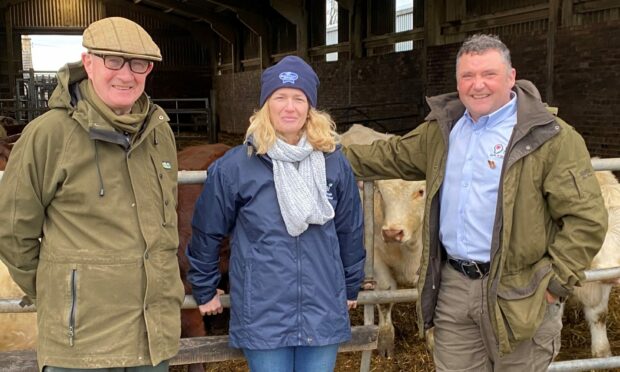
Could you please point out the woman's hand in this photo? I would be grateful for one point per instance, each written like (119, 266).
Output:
(214, 306)
(352, 304)
(551, 299)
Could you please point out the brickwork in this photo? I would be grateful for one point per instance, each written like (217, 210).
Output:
(587, 75)
(236, 99)
(386, 88)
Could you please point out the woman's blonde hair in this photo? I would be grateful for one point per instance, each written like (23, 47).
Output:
(319, 127)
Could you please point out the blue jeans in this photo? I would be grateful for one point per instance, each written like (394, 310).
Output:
(296, 358)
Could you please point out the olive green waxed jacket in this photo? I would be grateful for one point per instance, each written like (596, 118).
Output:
(88, 230)
(550, 219)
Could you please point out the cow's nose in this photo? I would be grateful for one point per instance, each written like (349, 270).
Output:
(392, 235)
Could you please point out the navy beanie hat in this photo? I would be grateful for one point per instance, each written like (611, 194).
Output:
(290, 72)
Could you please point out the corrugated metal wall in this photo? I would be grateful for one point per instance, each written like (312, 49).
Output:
(56, 14)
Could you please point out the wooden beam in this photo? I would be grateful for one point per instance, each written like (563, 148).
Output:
(515, 16)
(552, 27)
(356, 31)
(8, 27)
(567, 14)
(257, 24)
(593, 6)
(255, 6)
(219, 23)
(295, 12)
(198, 350)
(200, 32)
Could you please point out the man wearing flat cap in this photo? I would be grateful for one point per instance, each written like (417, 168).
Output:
(88, 221)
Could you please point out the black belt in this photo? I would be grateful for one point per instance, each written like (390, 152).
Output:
(471, 269)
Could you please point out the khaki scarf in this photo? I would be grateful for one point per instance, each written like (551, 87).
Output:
(129, 123)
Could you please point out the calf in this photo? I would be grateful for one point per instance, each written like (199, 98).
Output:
(594, 296)
(194, 158)
(399, 214)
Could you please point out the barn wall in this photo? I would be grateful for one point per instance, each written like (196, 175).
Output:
(586, 84)
(586, 77)
(236, 97)
(382, 87)
(185, 70)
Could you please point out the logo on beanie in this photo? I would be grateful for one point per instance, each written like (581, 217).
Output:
(288, 77)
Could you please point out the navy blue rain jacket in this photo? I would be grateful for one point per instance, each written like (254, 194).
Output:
(285, 291)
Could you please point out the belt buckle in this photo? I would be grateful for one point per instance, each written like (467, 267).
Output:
(467, 265)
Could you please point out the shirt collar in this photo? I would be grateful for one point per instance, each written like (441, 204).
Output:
(499, 115)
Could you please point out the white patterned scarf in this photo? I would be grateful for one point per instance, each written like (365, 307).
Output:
(302, 191)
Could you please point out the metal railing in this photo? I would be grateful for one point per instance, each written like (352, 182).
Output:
(189, 115)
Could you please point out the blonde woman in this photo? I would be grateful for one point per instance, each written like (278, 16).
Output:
(289, 201)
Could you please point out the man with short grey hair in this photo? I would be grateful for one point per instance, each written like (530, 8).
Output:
(88, 223)
(513, 215)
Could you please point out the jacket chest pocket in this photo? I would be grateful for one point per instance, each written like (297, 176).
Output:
(167, 188)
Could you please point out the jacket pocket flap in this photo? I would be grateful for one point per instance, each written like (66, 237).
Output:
(523, 283)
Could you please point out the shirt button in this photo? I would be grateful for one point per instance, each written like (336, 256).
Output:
(163, 224)
(528, 147)
(133, 205)
(146, 255)
(309, 340)
(161, 117)
(161, 176)
(166, 203)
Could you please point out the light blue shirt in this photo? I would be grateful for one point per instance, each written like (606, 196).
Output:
(469, 191)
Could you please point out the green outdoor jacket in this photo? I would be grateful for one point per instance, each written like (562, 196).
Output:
(88, 230)
(550, 219)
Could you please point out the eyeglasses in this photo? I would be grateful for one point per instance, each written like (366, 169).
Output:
(137, 65)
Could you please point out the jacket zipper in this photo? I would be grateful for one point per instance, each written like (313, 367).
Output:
(73, 306)
(298, 288)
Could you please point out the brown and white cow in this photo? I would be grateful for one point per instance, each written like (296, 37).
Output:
(399, 214)
(194, 158)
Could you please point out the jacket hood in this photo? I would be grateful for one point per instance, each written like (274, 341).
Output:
(64, 96)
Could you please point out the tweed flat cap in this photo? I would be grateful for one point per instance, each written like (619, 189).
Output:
(121, 37)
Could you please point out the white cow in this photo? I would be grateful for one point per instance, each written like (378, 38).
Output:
(594, 296)
(18, 331)
(399, 213)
